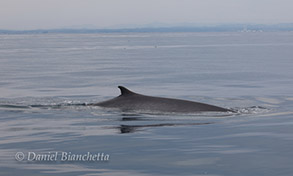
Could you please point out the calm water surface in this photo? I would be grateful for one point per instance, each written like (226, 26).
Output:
(45, 79)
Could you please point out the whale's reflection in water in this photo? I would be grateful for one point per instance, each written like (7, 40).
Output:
(134, 128)
(152, 122)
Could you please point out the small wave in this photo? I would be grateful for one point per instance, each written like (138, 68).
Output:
(60, 106)
(8, 106)
(251, 110)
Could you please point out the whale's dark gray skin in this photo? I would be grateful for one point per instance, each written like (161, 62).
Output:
(130, 101)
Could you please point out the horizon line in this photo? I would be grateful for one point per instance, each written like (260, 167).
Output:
(176, 28)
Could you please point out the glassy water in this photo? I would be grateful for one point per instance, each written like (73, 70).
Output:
(46, 80)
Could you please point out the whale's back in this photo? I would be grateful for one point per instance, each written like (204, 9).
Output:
(132, 101)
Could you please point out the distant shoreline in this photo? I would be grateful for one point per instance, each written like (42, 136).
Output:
(211, 28)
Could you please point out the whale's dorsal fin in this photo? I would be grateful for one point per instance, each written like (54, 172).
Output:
(125, 91)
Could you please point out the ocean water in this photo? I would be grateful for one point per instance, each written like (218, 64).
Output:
(45, 80)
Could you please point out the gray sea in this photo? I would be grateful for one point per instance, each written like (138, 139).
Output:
(46, 80)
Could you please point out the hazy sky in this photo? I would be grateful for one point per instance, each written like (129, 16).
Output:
(44, 14)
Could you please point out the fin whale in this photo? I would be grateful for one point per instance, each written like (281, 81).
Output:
(131, 101)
